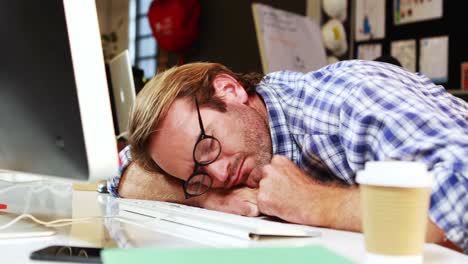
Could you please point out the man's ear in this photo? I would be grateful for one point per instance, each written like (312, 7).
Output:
(229, 89)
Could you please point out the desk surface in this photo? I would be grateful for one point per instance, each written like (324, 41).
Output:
(52, 200)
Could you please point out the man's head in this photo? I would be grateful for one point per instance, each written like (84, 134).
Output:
(164, 125)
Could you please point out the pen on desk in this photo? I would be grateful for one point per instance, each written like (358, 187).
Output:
(3, 206)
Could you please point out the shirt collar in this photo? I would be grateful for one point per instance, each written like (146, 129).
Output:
(281, 137)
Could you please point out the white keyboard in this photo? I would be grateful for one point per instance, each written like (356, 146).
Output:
(214, 221)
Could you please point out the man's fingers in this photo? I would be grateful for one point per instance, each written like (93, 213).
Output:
(251, 209)
(241, 201)
(239, 207)
(255, 177)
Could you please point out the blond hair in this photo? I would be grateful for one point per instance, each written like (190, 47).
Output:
(154, 100)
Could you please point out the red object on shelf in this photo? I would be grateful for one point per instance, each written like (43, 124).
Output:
(464, 75)
(174, 23)
(3, 206)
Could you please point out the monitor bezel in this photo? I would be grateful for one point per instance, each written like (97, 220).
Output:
(94, 104)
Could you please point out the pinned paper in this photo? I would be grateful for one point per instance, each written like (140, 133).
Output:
(433, 61)
(370, 19)
(369, 51)
(405, 52)
(413, 11)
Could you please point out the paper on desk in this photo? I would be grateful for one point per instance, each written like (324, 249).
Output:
(297, 255)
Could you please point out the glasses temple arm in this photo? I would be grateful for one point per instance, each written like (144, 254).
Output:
(200, 122)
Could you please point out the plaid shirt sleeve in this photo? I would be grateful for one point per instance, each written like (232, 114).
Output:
(114, 181)
(413, 119)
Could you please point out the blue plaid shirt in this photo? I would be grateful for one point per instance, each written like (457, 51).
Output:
(337, 118)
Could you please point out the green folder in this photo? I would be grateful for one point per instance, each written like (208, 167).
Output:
(296, 255)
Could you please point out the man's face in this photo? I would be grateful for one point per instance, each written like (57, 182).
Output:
(241, 130)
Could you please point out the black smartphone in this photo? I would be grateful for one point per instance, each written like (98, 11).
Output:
(68, 253)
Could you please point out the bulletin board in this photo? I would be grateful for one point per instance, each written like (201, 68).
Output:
(406, 33)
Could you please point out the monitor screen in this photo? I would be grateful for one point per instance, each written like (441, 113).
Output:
(55, 114)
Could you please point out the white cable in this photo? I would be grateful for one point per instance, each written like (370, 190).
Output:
(55, 223)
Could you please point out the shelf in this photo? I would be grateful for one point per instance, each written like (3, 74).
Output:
(463, 94)
(458, 92)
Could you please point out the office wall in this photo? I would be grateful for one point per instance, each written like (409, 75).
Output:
(228, 33)
(113, 19)
(452, 24)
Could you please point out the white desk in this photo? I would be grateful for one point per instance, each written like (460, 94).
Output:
(54, 200)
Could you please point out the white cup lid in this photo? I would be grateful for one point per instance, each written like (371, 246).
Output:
(406, 174)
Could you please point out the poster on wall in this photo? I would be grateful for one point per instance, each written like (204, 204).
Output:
(409, 11)
(369, 51)
(433, 61)
(405, 52)
(370, 19)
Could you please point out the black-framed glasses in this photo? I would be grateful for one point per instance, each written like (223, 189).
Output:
(206, 151)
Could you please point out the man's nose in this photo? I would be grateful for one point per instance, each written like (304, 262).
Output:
(219, 170)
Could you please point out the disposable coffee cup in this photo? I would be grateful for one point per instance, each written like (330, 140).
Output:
(395, 203)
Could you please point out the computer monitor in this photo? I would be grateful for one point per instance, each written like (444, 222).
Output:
(55, 114)
(123, 90)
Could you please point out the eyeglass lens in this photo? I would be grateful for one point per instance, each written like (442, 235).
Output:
(198, 184)
(206, 150)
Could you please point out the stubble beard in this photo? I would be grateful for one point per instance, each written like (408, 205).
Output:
(255, 136)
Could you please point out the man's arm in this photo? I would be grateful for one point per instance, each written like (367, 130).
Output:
(390, 119)
(137, 183)
(287, 192)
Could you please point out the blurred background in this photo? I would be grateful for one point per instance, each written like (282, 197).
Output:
(422, 36)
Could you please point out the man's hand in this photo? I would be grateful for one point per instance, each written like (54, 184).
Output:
(241, 201)
(287, 192)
